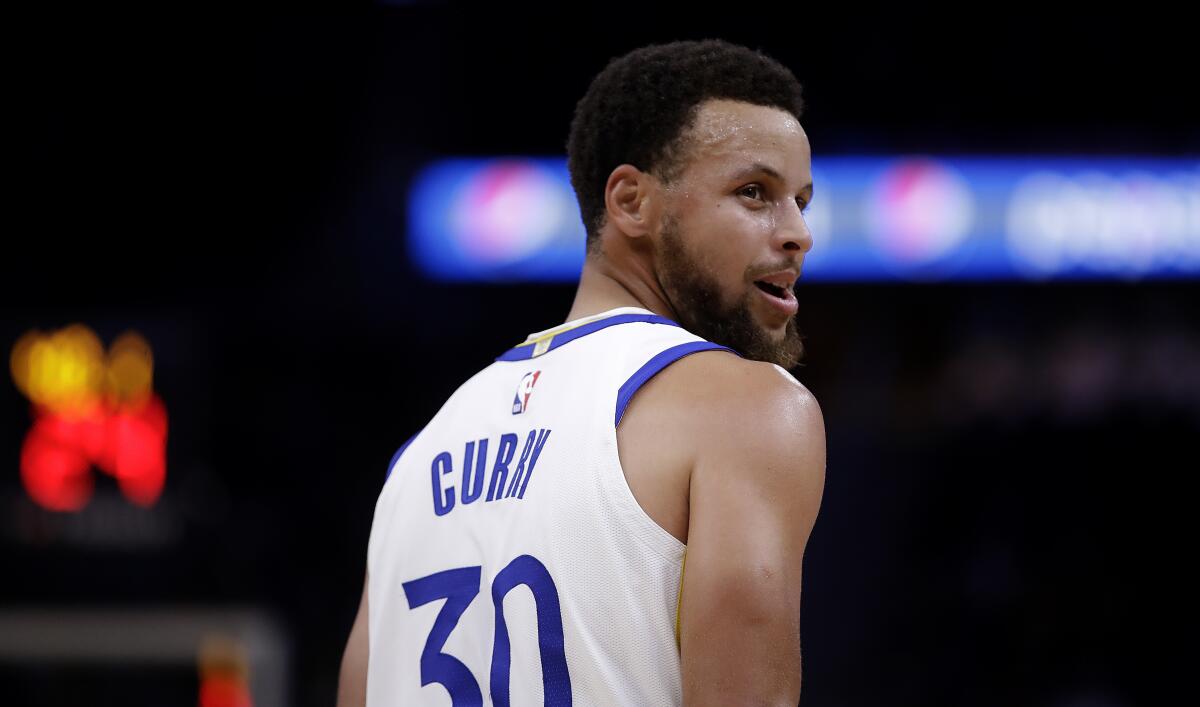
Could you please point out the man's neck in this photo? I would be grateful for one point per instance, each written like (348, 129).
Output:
(603, 287)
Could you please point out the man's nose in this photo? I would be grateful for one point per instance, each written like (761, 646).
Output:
(792, 231)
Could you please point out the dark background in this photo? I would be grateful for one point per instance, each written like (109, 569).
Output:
(1005, 518)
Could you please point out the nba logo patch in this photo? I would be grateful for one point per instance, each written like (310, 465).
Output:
(524, 390)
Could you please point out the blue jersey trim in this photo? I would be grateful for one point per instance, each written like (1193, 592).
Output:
(525, 351)
(656, 364)
(396, 456)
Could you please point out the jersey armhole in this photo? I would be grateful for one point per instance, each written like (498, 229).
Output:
(631, 386)
(652, 368)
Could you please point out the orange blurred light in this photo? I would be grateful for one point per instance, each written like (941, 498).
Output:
(130, 368)
(221, 691)
(224, 673)
(90, 409)
(64, 371)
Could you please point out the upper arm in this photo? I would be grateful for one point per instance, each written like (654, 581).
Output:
(352, 680)
(756, 486)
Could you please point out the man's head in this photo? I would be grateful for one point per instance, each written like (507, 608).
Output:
(692, 155)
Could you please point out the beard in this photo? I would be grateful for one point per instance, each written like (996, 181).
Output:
(696, 299)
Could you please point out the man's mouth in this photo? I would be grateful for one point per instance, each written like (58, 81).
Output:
(781, 299)
(770, 289)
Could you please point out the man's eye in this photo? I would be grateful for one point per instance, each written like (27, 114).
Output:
(803, 206)
(753, 191)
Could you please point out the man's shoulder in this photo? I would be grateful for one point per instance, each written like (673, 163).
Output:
(719, 396)
(717, 379)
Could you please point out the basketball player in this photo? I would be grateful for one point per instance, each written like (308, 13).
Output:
(615, 511)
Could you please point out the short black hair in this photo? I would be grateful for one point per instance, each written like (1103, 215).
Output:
(638, 108)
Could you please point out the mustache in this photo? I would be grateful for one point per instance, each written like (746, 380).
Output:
(753, 273)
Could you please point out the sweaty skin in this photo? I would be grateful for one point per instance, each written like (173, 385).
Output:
(725, 453)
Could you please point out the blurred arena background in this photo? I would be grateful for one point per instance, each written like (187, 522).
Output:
(246, 256)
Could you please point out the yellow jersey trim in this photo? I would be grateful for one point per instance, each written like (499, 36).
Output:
(679, 599)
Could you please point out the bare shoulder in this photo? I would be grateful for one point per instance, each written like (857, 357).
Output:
(745, 426)
(725, 400)
(758, 418)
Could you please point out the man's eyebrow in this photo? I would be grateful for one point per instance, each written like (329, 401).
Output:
(760, 168)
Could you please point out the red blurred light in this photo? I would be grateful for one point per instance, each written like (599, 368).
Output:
(128, 444)
(55, 476)
(224, 691)
(137, 452)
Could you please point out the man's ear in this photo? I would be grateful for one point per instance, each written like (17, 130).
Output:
(630, 198)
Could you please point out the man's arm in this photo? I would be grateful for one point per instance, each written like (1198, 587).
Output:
(352, 682)
(756, 485)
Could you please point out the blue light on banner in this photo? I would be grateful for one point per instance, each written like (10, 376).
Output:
(504, 220)
(873, 218)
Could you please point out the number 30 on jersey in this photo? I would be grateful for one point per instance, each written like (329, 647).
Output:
(459, 588)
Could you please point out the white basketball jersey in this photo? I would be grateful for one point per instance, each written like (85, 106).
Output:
(509, 562)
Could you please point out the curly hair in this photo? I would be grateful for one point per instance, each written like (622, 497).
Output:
(639, 107)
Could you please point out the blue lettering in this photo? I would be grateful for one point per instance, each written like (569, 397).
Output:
(471, 492)
(520, 470)
(520, 480)
(508, 446)
(543, 435)
(443, 501)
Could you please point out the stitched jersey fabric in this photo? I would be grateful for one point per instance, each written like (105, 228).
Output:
(509, 562)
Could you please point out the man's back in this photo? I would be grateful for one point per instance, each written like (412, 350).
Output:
(693, 174)
(509, 559)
